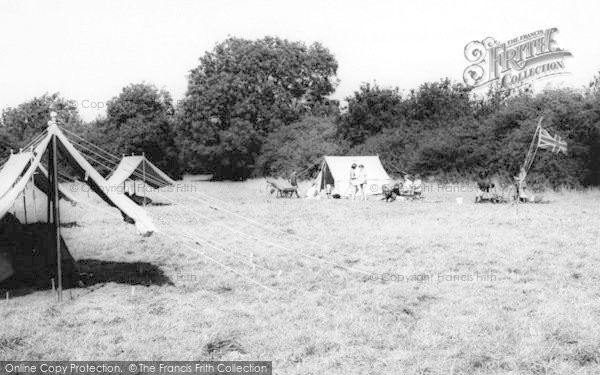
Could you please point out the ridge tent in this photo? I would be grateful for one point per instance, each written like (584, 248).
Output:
(16, 175)
(335, 171)
(28, 251)
(138, 167)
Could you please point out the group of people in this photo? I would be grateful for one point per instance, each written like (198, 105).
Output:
(487, 191)
(406, 188)
(358, 182)
(356, 189)
(410, 186)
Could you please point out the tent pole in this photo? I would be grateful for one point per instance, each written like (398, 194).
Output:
(24, 198)
(33, 196)
(48, 200)
(25, 206)
(144, 175)
(56, 216)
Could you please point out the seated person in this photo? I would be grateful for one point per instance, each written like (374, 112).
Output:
(407, 187)
(417, 185)
(484, 185)
(390, 194)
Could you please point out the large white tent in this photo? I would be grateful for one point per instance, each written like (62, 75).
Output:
(27, 253)
(335, 171)
(22, 167)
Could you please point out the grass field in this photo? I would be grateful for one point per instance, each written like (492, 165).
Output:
(445, 288)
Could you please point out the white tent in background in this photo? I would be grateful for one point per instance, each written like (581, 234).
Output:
(335, 171)
(21, 168)
(139, 168)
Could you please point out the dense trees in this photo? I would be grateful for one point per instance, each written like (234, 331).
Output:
(140, 120)
(261, 107)
(247, 88)
(442, 130)
(370, 110)
(21, 124)
(299, 146)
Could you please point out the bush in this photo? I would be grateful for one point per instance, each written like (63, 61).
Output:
(299, 147)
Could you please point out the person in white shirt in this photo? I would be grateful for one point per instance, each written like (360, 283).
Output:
(407, 187)
(417, 185)
(361, 177)
(522, 185)
(353, 187)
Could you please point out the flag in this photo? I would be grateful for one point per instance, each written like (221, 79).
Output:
(548, 142)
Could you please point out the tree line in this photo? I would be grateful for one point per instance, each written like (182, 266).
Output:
(262, 108)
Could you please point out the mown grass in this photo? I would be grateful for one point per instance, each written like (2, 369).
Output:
(536, 310)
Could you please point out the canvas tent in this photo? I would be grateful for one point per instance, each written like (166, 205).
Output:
(16, 178)
(138, 167)
(27, 251)
(15, 183)
(35, 192)
(335, 171)
(28, 255)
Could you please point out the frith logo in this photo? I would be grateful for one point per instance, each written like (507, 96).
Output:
(520, 60)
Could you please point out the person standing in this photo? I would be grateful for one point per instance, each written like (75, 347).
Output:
(294, 179)
(407, 188)
(521, 185)
(417, 186)
(353, 181)
(361, 177)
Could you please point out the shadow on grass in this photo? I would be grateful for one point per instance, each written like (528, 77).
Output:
(90, 272)
(138, 273)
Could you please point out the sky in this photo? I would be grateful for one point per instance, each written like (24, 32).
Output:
(89, 50)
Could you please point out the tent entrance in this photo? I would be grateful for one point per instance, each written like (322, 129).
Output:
(28, 256)
(327, 177)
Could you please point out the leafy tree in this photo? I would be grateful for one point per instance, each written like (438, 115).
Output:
(299, 147)
(24, 122)
(234, 155)
(370, 110)
(263, 84)
(5, 144)
(140, 120)
(441, 130)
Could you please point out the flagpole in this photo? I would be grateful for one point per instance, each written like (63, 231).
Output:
(528, 159)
